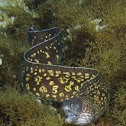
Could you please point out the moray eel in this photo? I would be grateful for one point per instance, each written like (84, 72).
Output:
(83, 96)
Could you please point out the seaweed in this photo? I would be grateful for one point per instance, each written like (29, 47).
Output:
(11, 53)
(117, 111)
(32, 4)
(15, 18)
(22, 110)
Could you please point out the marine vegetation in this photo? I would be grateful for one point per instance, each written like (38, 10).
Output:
(11, 51)
(23, 110)
(94, 31)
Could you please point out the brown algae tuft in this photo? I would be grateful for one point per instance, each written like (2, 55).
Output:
(24, 110)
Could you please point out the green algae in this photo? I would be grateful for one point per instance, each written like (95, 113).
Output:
(104, 50)
(117, 110)
(11, 53)
(24, 110)
(15, 18)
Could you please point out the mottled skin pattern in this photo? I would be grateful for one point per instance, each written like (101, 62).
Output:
(88, 106)
(80, 89)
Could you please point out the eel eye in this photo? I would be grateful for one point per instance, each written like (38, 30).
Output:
(72, 106)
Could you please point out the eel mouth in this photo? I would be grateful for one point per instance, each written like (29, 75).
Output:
(71, 116)
(82, 119)
(77, 118)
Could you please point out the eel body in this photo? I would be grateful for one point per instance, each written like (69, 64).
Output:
(83, 96)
